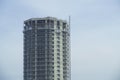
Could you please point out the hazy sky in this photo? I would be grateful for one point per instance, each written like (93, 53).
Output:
(95, 35)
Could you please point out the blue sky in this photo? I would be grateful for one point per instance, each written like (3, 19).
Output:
(95, 35)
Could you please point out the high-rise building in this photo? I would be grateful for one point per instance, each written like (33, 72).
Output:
(46, 49)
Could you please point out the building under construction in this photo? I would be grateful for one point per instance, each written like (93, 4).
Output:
(46, 49)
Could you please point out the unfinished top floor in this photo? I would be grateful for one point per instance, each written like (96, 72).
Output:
(45, 21)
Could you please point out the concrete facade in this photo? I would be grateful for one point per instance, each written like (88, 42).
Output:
(46, 49)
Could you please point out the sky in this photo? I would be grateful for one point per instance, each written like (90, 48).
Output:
(95, 35)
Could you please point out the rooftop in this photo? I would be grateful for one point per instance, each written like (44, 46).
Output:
(45, 18)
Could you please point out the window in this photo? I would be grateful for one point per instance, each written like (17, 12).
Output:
(64, 47)
(52, 58)
(58, 27)
(52, 30)
(41, 21)
(52, 34)
(58, 50)
(58, 58)
(52, 50)
(59, 62)
(58, 71)
(58, 54)
(52, 42)
(52, 68)
(58, 23)
(58, 46)
(58, 41)
(64, 25)
(58, 75)
(58, 37)
(58, 66)
(58, 34)
(52, 46)
(52, 38)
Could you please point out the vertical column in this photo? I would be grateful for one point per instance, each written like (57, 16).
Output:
(36, 50)
(61, 51)
(69, 46)
(46, 44)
